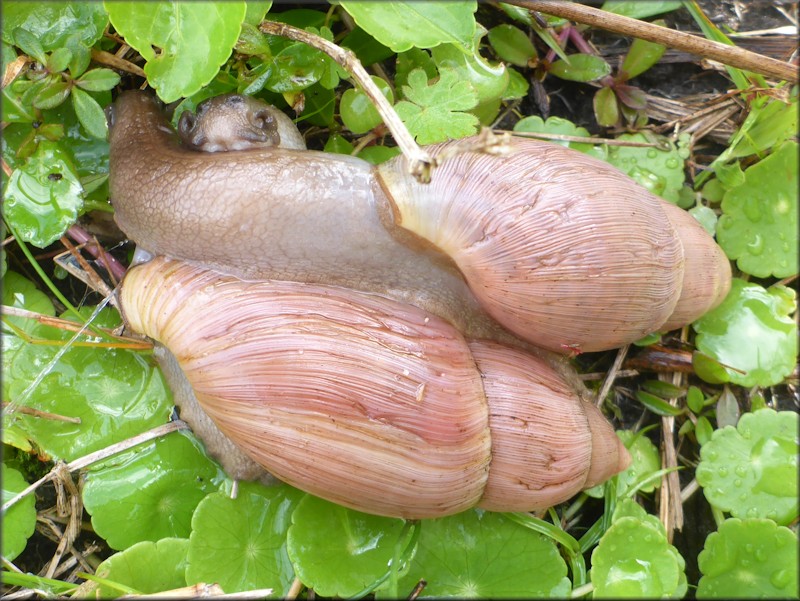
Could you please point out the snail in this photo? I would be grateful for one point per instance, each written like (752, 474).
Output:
(563, 250)
(368, 402)
(400, 317)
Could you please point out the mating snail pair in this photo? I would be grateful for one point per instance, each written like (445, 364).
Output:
(371, 339)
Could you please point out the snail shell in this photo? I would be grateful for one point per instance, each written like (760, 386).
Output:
(371, 403)
(561, 249)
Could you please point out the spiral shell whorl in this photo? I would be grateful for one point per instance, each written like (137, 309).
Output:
(558, 263)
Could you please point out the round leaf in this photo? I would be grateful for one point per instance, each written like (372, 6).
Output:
(43, 196)
(758, 227)
(19, 521)
(338, 551)
(241, 543)
(634, 559)
(751, 332)
(751, 470)
(358, 113)
(148, 567)
(748, 559)
(149, 492)
(483, 554)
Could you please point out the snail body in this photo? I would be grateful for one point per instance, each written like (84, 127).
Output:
(337, 391)
(561, 249)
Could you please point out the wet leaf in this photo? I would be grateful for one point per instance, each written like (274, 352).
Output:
(55, 24)
(43, 196)
(402, 25)
(184, 43)
(337, 551)
(751, 332)
(358, 113)
(432, 112)
(645, 460)
(150, 492)
(241, 543)
(19, 521)
(706, 217)
(483, 554)
(634, 558)
(751, 470)
(148, 567)
(758, 227)
(749, 558)
(295, 68)
(660, 171)
(115, 393)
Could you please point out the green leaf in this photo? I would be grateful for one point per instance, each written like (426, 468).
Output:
(431, 112)
(59, 59)
(378, 154)
(89, 114)
(641, 56)
(150, 492)
(645, 460)
(657, 405)
(29, 44)
(43, 196)
(695, 400)
(660, 171)
(114, 393)
(580, 67)
(19, 521)
(751, 332)
(512, 44)
(635, 9)
(98, 80)
(241, 543)
(758, 227)
(558, 125)
(192, 40)
(634, 559)
(55, 24)
(53, 94)
(295, 68)
(148, 567)
(358, 113)
(706, 217)
(402, 25)
(482, 554)
(340, 552)
(751, 470)
(749, 558)
(606, 107)
(518, 86)
(256, 10)
(769, 123)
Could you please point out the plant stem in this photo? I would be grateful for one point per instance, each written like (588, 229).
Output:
(728, 55)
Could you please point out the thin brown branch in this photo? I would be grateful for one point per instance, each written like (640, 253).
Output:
(729, 55)
(111, 60)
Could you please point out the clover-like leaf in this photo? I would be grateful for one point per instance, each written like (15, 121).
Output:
(482, 554)
(489, 80)
(241, 543)
(109, 394)
(634, 559)
(752, 333)
(337, 551)
(660, 171)
(751, 470)
(758, 227)
(184, 43)
(749, 558)
(19, 521)
(149, 492)
(43, 196)
(432, 112)
(148, 567)
(402, 25)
